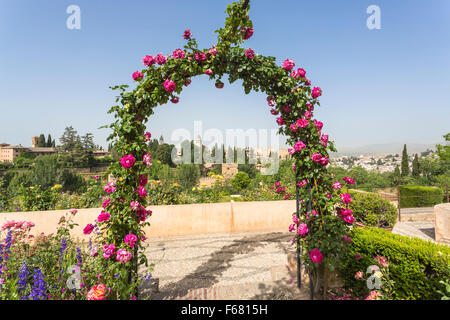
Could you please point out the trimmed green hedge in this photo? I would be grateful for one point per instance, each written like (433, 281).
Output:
(373, 210)
(415, 196)
(415, 265)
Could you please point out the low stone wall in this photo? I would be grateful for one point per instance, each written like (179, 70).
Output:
(442, 222)
(180, 220)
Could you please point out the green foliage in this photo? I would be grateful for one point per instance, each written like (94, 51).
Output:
(405, 166)
(45, 170)
(241, 181)
(371, 209)
(71, 182)
(188, 175)
(416, 266)
(250, 169)
(417, 196)
(37, 199)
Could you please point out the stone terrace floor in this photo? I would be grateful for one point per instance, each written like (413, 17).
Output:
(224, 266)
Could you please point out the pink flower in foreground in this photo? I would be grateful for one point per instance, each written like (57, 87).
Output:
(142, 192)
(127, 161)
(248, 32)
(123, 255)
(178, 54)
(147, 159)
(142, 180)
(318, 124)
(291, 227)
(316, 256)
(348, 180)
(209, 72)
(324, 140)
(97, 292)
(187, 34)
(307, 115)
(270, 102)
(299, 145)
(349, 219)
(130, 239)
(346, 198)
(324, 161)
(302, 229)
(293, 127)
(161, 59)
(187, 82)
(280, 121)
(288, 64)
(337, 185)
(287, 109)
(175, 100)
(106, 203)
(137, 76)
(169, 86)
(93, 252)
(108, 250)
(374, 295)
(316, 92)
(200, 56)
(302, 123)
(88, 229)
(347, 239)
(274, 112)
(213, 51)
(359, 275)
(357, 256)
(301, 183)
(147, 136)
(134, 205)
(148, 60)
(249, 53)
(103, 216)
(109, 188)
(295, 219)
(316, 157)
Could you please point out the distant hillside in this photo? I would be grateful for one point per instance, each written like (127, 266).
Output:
(383, 149)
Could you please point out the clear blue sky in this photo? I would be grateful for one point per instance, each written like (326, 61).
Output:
(379, 86)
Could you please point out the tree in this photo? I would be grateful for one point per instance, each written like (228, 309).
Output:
(188, 175)
(41, 141)
(415, 166)
(70, 139)
(49, 141)
(45, 171)
(405, 165)
(444, 151)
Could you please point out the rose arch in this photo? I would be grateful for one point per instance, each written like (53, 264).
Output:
(322, 219)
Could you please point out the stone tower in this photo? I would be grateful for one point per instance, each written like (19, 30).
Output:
(34, 142)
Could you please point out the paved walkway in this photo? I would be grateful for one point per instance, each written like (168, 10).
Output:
(224, 266)
(418, 229)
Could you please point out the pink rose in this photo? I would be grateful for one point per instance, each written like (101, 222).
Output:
(148, 60)
(324, 140)
(134, 205)
(187, 34)
(302, 229)
(337, 185)
(178, 54)
(88, 229)
(316, 92)
(142, 180)
(318, 124)
(248, 32)
(187, 82)
(348, 180)
(161, 59)
(137, 76)
(287, 109)
(249, 53)
(301, 183)
(169, 85)
(213, 51)
(108, 250)
(299, 145)
(200, 56)
(127, 161)
(130, 239)
(109, 188)
(142, 192)
(147, 136)
(293, 127)
(349, 219)
(209, 72)
(316, 256)
(147, 160)
(123, 255)
(103, 216)
(274, 112)
(288, 64)
(346, 198)
(324, 161)
(175, 100)
(280, 121)
(302, 123)
(316, 157)
(359, 275)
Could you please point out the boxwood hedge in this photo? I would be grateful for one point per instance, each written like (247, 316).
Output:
(418, 196)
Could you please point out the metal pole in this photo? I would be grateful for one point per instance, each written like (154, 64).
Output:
(299, 261)
(311, 286)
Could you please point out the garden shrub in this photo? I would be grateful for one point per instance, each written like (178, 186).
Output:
(417, 196)
(240, 181)
(371, 209)
(416, 266)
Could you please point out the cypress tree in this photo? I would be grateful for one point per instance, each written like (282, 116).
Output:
(405, 165)
(415, 166)
(49, 141)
